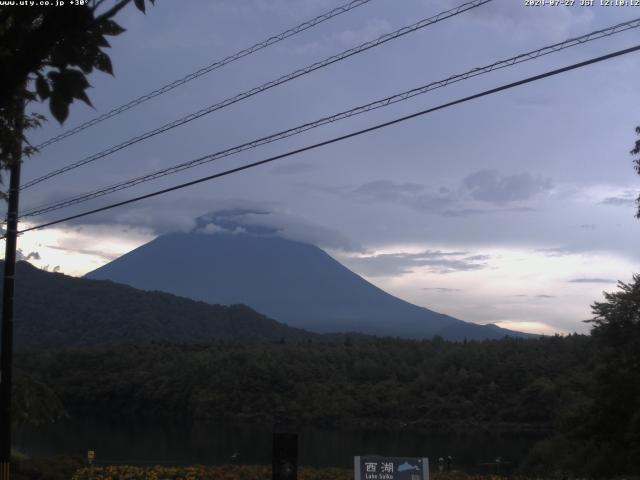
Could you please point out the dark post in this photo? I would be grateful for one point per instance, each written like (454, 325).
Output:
(285, 456)
(6, 356)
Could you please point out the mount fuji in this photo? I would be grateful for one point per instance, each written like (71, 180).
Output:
(228, 260)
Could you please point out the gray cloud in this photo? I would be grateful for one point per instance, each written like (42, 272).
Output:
(160, 216)
(31, 255)
(237, 215)
(559, 251)
(416, 196)
(592, 280)
(468, 198)
(466, 212)
(623, 198)
(478, 258)
(164, 214)
(443, 289)
(73, 248)
(540, 296)
(622, 201)
(489, 186)
(436, 261)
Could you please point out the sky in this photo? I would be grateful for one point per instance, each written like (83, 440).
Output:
(515, 209)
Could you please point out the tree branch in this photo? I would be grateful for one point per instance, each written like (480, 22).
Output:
(112, 11)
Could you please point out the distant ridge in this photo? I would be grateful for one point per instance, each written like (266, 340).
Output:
(55, 311)
(227, 260)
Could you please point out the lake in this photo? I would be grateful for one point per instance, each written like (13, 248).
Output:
(184, 443)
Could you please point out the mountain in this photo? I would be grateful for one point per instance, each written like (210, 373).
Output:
(57, 311)
(226, 262)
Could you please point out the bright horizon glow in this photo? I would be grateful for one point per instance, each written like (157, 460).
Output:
(523, 289)
(77, 251)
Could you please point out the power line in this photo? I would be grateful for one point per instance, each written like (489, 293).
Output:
(209, 68)
(340, 138)
(621, 27)
(266, 86)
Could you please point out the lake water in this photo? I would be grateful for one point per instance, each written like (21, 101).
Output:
(164, 443)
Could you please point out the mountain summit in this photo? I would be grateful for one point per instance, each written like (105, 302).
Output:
(242, 257)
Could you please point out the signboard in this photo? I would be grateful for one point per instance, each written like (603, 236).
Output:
(375, 467)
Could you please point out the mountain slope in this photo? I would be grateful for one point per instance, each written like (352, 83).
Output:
(293, 282)
(57, 311)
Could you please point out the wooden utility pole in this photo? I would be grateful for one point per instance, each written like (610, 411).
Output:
(6, 355)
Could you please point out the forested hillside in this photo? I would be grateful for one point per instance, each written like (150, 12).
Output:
(56, 311)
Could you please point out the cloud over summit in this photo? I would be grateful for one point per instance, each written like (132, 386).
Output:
(262, 222)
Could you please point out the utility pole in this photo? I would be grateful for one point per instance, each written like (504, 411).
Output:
(6, 355)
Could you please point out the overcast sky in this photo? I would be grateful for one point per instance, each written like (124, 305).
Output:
(516, 208)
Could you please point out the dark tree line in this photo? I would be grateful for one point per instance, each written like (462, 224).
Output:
(512, 384)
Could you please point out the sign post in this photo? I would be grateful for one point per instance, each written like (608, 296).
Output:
(375, 467)
(91, 455)
(285, 456)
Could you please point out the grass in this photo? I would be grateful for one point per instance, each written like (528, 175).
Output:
(232, 472)
(74, 468)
